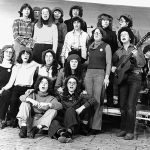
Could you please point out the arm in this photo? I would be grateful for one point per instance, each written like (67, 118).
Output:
(55, 37)
(54, 104)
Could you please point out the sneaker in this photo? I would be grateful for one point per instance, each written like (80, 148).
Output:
(121, 134)
(23, 132)
(129, 136)
(33, 132)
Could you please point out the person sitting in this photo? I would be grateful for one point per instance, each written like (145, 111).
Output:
(40, 105)
(75, 116)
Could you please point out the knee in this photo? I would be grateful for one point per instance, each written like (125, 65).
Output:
(25, 105)
(70, 111)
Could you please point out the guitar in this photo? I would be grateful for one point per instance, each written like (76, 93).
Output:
(124, 64)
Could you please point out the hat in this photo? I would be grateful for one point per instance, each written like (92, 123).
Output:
(131, 35)
(126, 16)
(59, 9)
(105, 16)
(146, 49)
(36, 9)
(73, 56)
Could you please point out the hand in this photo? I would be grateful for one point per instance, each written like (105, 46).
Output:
(44, 106)
(80, 109)
(60, 90)
(84, 92)
(2, 90)
(135, 52)
(113, 69)
(106, 82)
(29, 91)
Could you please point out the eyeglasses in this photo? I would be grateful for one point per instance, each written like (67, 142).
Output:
(72, 83)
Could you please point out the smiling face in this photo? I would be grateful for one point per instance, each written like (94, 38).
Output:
(48, 58)
(25, 57)
(73, 64)
(75, 12)
(45, 14)
(26, 12)
(57, 14)
(8, 53)
(71, 85)
(43, 86)
(124, 37)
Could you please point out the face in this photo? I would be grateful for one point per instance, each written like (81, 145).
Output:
(48, 58)
(36, 14)
(43, 86)
(77, 25)
(45, 14)
(105, 23)
(122, 22)
(75, 12)
(26, 12)
(73, 64)
(71, 84)
(25, 57)
(147, 54)
(124, 36)
(8, 54)
(97, 35)
(57, 14)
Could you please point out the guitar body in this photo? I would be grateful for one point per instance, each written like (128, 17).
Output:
(120, 73)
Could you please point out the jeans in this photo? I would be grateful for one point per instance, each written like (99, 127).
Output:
(128, 91)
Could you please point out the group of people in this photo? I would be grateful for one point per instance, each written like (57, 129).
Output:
(54, 75)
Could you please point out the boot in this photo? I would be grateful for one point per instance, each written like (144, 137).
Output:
(23, 132)
(33, 132)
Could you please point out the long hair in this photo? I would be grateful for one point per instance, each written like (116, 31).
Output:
(40, 20)
(26, 5)
(2, 53)
(78, 70)
(77, 90)
(54, 63)
(38, 81)
(60, 20)
(76, 7)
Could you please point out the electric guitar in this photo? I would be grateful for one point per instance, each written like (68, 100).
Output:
(124, 64)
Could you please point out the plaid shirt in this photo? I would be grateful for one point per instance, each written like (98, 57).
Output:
(23, 32)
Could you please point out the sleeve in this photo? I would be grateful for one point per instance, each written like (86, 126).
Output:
(35, 33)
(55, 104)
(55, 37)
(64, 31)
(108, 59)
(17, 37)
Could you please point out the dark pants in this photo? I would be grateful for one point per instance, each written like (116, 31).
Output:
(4, 103)
(69, 120)
(129, 90)
(17, 91)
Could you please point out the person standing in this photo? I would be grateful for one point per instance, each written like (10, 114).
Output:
(131, 83)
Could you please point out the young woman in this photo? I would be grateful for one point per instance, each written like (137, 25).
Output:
(7, 58)
(21, 79)
(23, 29)
(130, 86)
(97, 74)
(72, 67)
(75, 11)
(75, 41)
(45, 34)
(62, 30)
(75, 115)
(40, 105)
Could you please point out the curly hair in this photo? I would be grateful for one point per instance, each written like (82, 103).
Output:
(76, 7)
(4, 49)
(77, 90)
(26, 5)
(38, 81)
(19, 59)
(54, 63)
(40, 21)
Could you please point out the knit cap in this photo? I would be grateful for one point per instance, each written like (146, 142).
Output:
(59, 9)
(73, 56)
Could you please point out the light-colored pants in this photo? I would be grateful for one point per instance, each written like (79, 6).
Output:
(93, 83)
(24, 116)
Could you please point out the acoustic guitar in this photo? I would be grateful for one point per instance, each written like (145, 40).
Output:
(124, 64)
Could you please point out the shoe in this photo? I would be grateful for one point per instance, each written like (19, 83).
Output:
(121, 134)
(23, 132)
(65, 137)
(84, 130)
(95, 132)
(129, 136)
(33, 132)
(2, 124)
(14, 123)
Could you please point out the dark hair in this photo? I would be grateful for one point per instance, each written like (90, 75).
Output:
(61, 11)
(4, 49)
(54, 63)
(26, 6)
(76, 7)
(77, 90)
(77, 18)
(19, 59)
(128, 19)
(68, 72)
(101, 17)
(131, 35)
(146, 49)
(38, 81)
(40, 21)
